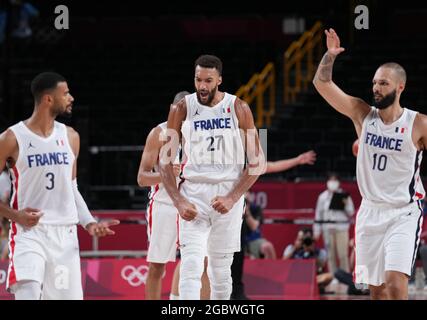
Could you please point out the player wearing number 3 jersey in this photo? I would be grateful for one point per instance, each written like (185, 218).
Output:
(41, 155)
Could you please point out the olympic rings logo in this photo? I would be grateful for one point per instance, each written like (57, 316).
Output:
(135, 276)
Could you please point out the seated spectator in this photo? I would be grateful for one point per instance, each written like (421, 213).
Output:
(297, 245)
(305, 248)
(257, 246)
(347, 278)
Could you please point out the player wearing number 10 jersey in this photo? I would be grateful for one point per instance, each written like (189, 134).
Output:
(391, 141)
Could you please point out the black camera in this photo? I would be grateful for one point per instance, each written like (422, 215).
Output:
(308, 241)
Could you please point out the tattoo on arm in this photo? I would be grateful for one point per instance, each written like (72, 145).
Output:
(324, 71)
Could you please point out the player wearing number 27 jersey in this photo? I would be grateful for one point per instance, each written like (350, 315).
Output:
(210, 197)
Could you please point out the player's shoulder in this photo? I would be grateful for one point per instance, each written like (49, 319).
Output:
(71, 130)
(240, 103)
(242, 109)
(241, 106)
(155, 132)
(8, 137)
(178, 111)
(420, 120)
(154, 135)
(73, 135)
(8, 142)
(421, 116)
(181, 105)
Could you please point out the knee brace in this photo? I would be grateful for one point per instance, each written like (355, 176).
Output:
(191, 271)
(219, 273)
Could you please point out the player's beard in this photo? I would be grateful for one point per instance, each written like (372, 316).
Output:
(67, 114)
(60, 112)
(211, 96)
(386, 101)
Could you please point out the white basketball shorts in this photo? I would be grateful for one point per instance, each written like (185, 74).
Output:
(386, 240)
(221, 232)
(162, 225)
(48, 254)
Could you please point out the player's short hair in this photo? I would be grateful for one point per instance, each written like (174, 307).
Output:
(179, 96)
(398, 69)
(209, 61)
(43, 82)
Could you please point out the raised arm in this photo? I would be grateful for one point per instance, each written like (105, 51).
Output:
(354, 108)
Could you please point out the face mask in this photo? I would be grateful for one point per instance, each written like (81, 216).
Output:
(333, 185)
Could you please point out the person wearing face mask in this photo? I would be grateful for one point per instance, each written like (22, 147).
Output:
(334, 209)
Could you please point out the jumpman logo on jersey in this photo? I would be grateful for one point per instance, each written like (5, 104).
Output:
(372, 123)
(30, 145)
(196, 113)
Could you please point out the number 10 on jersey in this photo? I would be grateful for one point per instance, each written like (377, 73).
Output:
(380, 162)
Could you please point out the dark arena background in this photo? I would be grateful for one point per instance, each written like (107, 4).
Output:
(124, 61)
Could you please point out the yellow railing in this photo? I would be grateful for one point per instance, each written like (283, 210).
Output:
(299, 52)
(255, 90)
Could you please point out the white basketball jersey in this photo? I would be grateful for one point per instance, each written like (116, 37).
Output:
(388, 163)
(158, 192)
(212, 144)
(42, 175)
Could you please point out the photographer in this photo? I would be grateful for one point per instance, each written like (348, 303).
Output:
(306, 249)
(334, 209)
(257, 246)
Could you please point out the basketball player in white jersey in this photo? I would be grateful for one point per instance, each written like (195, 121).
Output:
(210, 199)
(41, 155)
(162, 216)
(391, 141)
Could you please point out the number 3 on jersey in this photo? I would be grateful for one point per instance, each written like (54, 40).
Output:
(380, 162)
(51, 181)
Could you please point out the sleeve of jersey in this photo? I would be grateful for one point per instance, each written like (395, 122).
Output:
(85, 217)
